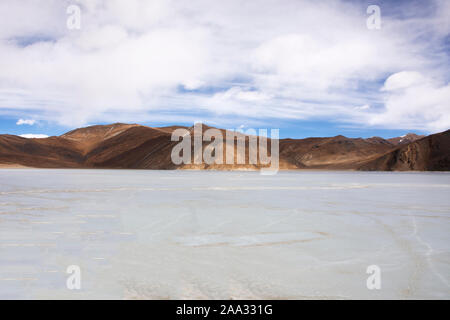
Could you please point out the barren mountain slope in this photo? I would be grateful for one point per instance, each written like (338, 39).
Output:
(85, 139)
(332, 153)
(431, 153)
(407, 138)
(138, 147)
(134, 146)
(51, 152)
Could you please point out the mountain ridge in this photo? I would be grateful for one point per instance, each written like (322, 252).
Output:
(134, 146)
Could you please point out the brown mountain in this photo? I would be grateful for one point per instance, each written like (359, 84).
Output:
(134, 146)
(407, 138)
(431, 153)
(332, 153)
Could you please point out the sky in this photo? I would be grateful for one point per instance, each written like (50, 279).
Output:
(307, 68)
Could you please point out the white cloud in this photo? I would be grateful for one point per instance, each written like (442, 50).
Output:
(364, 107)
(415, 101)
(29, 122)
(295, 59)
(34, 136)
(403, 80)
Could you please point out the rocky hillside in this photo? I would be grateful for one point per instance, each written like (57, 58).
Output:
(431, 153)
(134, 146)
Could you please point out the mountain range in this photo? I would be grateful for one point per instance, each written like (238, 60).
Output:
(132, 146)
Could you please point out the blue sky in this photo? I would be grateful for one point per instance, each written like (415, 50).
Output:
(288, 129)
(308, 68)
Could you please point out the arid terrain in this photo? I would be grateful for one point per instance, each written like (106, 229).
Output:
(132, 146)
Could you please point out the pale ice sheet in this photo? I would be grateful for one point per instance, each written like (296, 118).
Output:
(223, 235)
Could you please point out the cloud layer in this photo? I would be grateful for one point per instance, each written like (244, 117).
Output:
(139, 60)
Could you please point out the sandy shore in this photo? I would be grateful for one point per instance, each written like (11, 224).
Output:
(12, 166)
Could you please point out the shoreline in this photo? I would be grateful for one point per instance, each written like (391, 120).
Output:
(15, 166)
(18, 166)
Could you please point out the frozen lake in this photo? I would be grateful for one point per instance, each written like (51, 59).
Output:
(223, 235)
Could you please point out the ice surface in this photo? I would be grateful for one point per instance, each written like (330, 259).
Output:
(140, 234)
